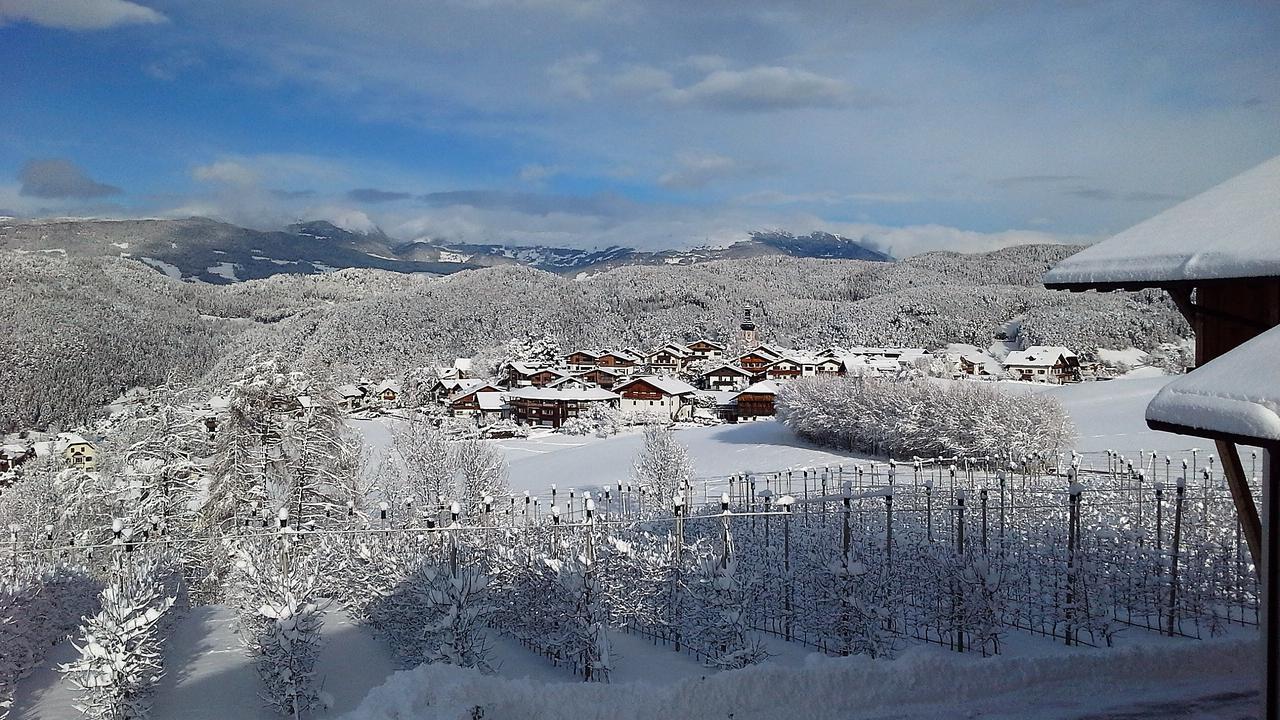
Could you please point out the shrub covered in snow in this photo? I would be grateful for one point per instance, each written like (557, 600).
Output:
(39, 607)
(923, 418)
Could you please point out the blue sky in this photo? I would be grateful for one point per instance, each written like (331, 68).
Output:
(916, 125)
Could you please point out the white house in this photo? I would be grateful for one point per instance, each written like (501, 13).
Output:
(1043, 364)
(662, 396)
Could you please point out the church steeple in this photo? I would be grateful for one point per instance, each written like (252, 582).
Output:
(748, 329)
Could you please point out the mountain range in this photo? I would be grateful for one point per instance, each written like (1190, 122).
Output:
(220, 253)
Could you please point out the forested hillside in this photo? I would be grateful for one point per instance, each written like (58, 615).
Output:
(78, 330)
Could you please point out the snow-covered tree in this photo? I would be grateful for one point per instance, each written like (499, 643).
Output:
(121, 652)
(663, 466)
(483, 470)
(460, 603)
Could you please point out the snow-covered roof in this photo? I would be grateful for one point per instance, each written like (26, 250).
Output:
(68, 439)
(764, 387)
(1038, 356)
(727, 366)
(1235, 395)
(705, 341)
(585, 394)
(668, 385)
(391, 385)
(349, 391)
(1229, 231)
(491, 401)
(462, 364)
(13, 450)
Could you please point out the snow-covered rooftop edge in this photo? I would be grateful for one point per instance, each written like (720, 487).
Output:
(1237, 394)
(1229, 231)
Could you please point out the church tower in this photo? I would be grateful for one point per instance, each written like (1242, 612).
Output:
(748, 330)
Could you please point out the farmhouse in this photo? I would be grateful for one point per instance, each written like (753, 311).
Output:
(14, 454)
(668, 358)
(1044, 364)
(726, 377)
(706, 350)
(581, 360)
(784, 370)
(388, 392)
(350, 397)
(662, 396)
(602, 377)
(623, 362)
(466, 401)
(977, 365)
(757, 400)
(77, 452)
(551, 407)
(759, 358)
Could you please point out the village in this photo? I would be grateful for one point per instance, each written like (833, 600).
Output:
(701, 382)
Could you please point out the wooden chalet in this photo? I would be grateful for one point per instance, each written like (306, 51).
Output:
(581, 360)
(827, 366)
(551, 407)
(545, 377)
(466, 401)
(77, 452)
(662, 396)
(623, 362)
(668, 358)
(782, 370)
(704, 349)
(1218, 256)
(758, 359)
(757, 400)
(726, 377)
(602, 377)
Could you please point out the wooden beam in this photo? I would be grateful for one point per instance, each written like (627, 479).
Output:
(1246, 510)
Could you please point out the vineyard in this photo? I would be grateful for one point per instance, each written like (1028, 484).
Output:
(866, 558)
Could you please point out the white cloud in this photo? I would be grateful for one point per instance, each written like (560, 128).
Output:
(78, 14)
(225, 171)
(698, 169)
(569, 75)
(764, 89)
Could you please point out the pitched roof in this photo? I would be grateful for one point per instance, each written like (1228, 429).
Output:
(726, 366)
(1236, 395)
(668, 385)
(491, 401)
(533, 393)
(1038, 356)
(1229, 231)
(764, 387)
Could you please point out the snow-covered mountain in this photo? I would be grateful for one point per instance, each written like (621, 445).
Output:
(217, 252)
(575, 261)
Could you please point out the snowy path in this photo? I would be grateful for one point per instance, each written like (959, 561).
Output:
(209, 677)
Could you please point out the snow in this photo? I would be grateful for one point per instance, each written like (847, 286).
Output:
(1038, 356)
(767, 387)
(1110, 414)
(224, 270)
(1129, 356)
(1215, 678)
(1237, 393)
(208, 675)
(447, 256)
(1229, 231)
(164, 267)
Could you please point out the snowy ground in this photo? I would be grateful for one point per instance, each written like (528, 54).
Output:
(1211, 679)
(209, 675)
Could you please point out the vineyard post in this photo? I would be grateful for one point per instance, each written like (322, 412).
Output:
(555, 528)
(678, 512)
(928, 510)
(1001, 477)
(983, 496)
(1073, 514)
(454, 512)
(1159, 515)
(960, 496)
(1173, 559)
(1142, 475)
(786, 503)
(724, 535)
(888, 527)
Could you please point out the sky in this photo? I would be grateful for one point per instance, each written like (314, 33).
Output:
(658, 123)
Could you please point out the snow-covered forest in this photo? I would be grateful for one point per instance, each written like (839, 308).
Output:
(80, 330)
